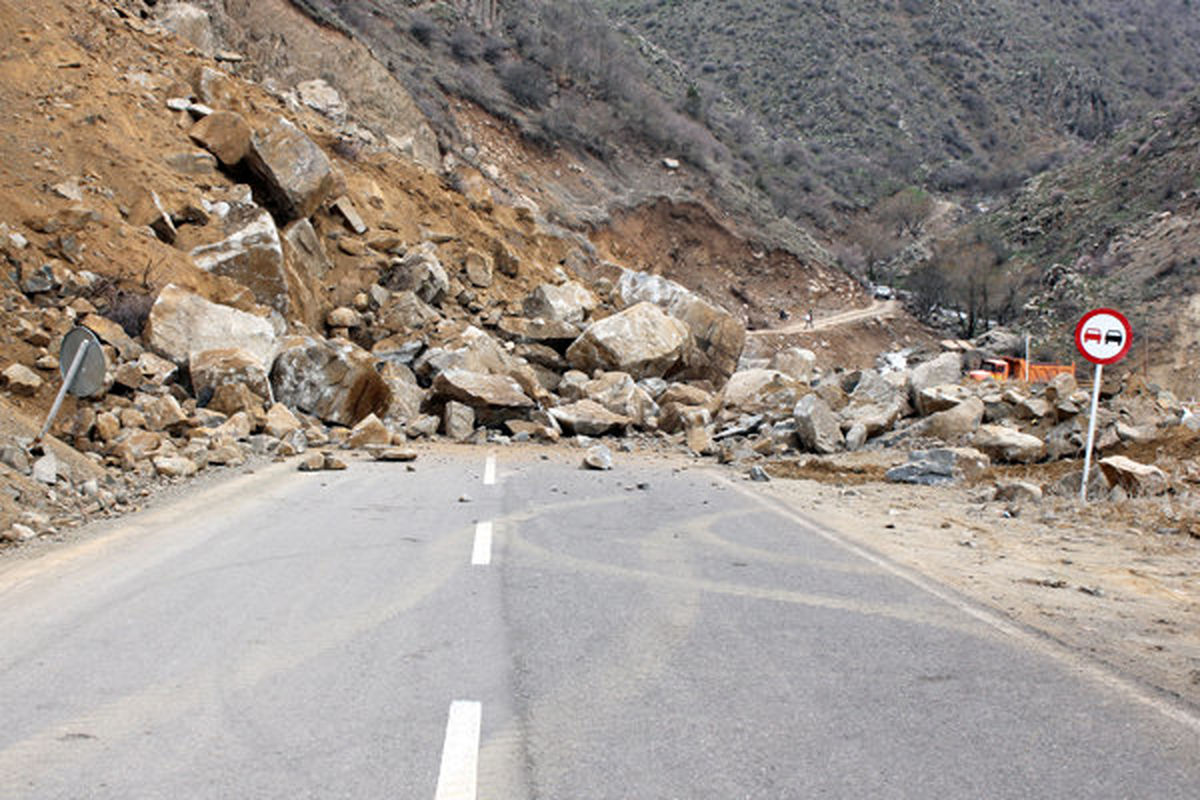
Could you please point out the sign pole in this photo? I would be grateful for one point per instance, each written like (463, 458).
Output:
(67, 381)
(1091, 438)
(1027, 358)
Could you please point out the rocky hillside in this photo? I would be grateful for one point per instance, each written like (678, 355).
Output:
(867, 97)
(1121, 228)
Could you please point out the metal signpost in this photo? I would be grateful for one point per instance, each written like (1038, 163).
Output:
(1103, 336)
(81, 362)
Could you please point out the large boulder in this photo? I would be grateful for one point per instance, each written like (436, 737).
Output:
(292, 168)
(588, 418)
(250, 252)
(617, 392)
(717, 338)
(211, 369)
(407, 394)
(1006, 444)
(754, 391)
(946, 368)
(816, 426)
(641, 340)
(478, 390)
(182, 323)
(957, 422)
(795, 361)
(335, 380)
(569, 302)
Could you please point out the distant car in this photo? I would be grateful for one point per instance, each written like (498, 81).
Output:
(1092, 335)
(884, 293)
(1114, 337)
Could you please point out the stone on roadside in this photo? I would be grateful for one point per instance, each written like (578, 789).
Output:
(174, 466)
(211, 369)
(1006, 444)
(335, 381)
(369, 431)
(313, 461)
(281, 421)
(587, 418)
(1136, 479)
(396, 454)
(956, 422)
(458, 421)
(18, 533)
(1018, 492)
(754, 391)
(45, 469)
(940, 466)
(758, 475)
(598, 457)
(816, 426)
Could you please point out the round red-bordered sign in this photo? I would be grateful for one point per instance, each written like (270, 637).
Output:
(1103, 336)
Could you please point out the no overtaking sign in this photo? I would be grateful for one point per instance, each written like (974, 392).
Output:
(1103, 336)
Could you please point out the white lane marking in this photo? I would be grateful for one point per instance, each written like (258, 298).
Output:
(489, 471)
(460, 752)
(481, 555)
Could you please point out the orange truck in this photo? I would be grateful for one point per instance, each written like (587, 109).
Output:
(1010, 368)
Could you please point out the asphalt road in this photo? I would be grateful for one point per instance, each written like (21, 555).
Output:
(357, 635)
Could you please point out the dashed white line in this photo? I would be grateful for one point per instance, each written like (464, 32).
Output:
(459, 773)
(481, 554)
(489, 471)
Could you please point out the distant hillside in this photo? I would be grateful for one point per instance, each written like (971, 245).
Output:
(958, 96)
(1120, 227)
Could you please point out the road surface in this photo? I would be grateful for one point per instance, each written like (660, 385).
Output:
(518, 628)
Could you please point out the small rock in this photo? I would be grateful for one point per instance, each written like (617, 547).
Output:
(45, 469)
(759, 475)
(464, 498)
(312, 462)
(19, 533)
(21, 380)
(599, 458)
(396, 454)
(333, 463)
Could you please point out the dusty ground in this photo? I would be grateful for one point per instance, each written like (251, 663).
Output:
(1117, 581)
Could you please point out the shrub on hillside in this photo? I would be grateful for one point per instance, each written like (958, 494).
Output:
(526, 82)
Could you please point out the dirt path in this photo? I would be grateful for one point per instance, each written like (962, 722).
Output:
(880, 309)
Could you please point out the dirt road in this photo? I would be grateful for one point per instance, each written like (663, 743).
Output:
(880, 309)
